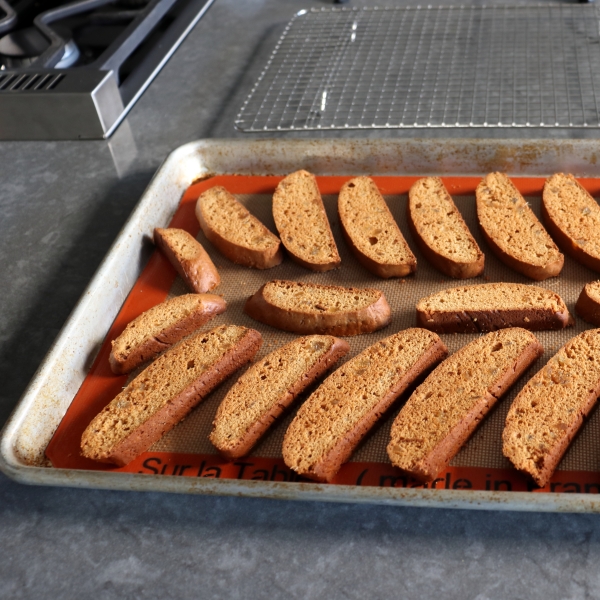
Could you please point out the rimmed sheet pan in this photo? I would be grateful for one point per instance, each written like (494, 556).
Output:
(38, 414)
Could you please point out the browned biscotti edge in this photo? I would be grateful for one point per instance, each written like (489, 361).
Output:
(567, 245)
(475, 321)
(537, 273)
(587, 308)
(215, 305)
(383, 270)
(563, 240)
(181, 405)
(240, 255)
(201, 275)
(454, 269)
(326, 469)
(427, 469)
(317, 267)
(244, 445)
(368, 319)
(553, 458)
(486, 321)
(451, 268)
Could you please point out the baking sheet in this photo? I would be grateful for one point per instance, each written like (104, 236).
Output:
(360, 482)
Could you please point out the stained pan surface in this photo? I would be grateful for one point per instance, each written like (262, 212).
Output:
(36, 418)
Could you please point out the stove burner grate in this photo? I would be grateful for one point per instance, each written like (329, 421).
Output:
(108, 52)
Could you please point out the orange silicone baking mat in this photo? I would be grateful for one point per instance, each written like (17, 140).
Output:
(186, 452)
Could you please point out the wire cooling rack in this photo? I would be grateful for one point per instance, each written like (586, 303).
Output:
(460, 66)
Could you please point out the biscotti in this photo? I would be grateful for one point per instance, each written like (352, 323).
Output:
(572, 217)
(371, 232)
(440, 231)
(549, 410)
(445, 409)
(331, 423)
(235, 232)
(302, 224)
(166, 391)
(160, 327)
(492, 306)
(268, 387)
(588, 303)
(189, 259)
(309, 308)
(513, 232)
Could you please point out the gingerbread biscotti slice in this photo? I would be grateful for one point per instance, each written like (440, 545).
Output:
(549, 410)
(512, 230)
(188, 258)
(160, 327)
(371, 232)
(268, 387)
(166, 391)
(445, 409)
(302, 223)
(440, 231)
(588, 303)
(492, 306)
(331, 423)
(310, 308)
(572, 217)
(235, 232)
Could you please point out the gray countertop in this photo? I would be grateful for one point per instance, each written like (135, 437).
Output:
(61, 206)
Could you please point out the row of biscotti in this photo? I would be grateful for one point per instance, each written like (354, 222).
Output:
(542, 421)
(312, 308)
(507, 222)
(434, 423)
(509, 226)
(307, 308)
(304, 228)
(438, 417)
(492, 306)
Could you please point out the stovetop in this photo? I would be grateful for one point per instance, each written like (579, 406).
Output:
(72, 70)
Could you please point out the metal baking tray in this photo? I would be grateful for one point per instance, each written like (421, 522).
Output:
(47, 398)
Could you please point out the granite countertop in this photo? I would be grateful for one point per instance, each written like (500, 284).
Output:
(61, 205)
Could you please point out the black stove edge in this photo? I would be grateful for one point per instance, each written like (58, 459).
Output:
(56, 104)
